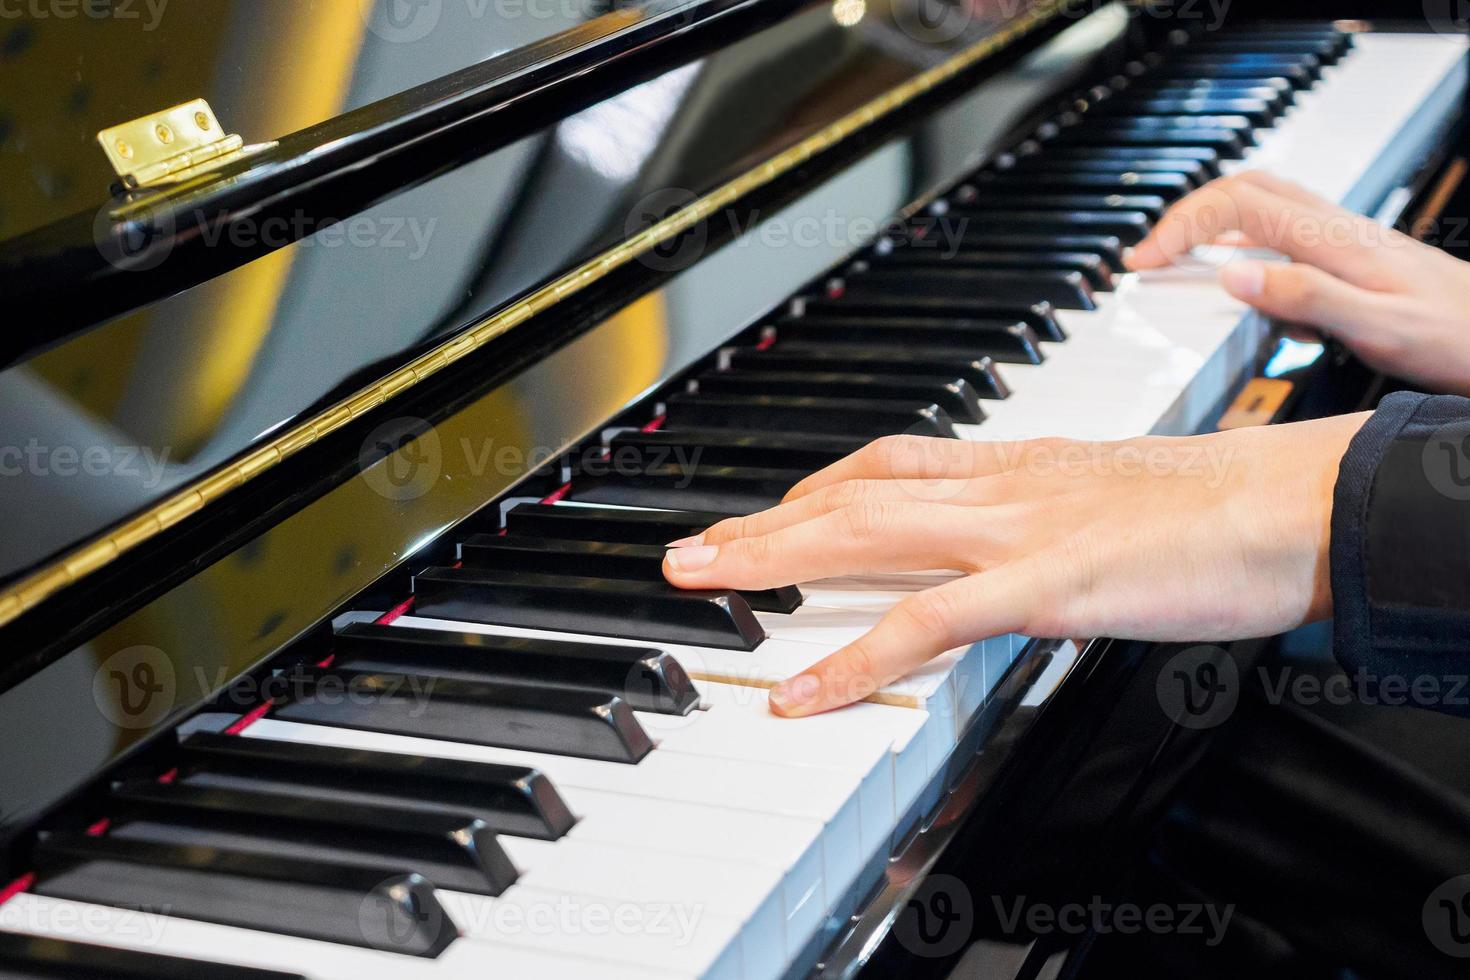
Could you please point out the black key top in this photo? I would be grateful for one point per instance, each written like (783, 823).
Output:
(1091, 268)
(1218, 65)
(722, 447)
(379, 908)
(509, 799)
(1276, 100)
(1127, 226)
(37, 958)
(1106, 247)
(1241, 126)
(980, 372)
(1298, 76)
(608, 523)
(1012, 343)
(597, 559)
(953, 394)
(796, 413)
(450, 850)
(883, 296)
(1192, 172)
(962, 281)
(732, 489)
(586, 724)
(648, 679)
(1256, 111)
(610, 607)
(1203, 156)
(1325, 51)
(1226, 143)
(1165, 187)
(985, 199)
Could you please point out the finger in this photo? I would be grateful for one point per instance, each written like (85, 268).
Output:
(880, 536)
(915, 631)
(897, 458)
(1331, 238)
(852, 493)
(1301, 293)
(1282, 187)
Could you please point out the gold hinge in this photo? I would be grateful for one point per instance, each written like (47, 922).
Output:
(171, 145)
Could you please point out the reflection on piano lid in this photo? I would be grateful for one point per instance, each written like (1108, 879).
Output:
(441, 694)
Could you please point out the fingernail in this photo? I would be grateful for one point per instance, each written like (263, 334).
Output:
(692, 559)
(790, 696)
(1244, 279)
(691, 542)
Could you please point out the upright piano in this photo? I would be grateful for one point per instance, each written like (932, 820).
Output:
(361, 358)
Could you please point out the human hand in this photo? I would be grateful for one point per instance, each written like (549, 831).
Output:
(1402, 306)
(1213, 537)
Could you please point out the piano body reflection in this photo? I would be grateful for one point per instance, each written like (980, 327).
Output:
(340, 456)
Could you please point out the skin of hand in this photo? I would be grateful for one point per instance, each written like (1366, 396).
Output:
(1214, 537)
(1402, 306)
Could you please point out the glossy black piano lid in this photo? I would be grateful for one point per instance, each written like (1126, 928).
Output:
(119, 417)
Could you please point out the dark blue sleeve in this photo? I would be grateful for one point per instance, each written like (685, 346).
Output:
(1401, 553)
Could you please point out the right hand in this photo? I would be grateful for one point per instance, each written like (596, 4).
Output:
(1402, 306)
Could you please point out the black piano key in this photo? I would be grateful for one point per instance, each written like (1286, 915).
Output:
(1007, 342)
(1256, 111)
(648, 679)
(1221, 64)
(1322, 49)
(585, 724)
(1204, 157)
(980, 372)
(597, 559)
(1340, 40)
(608, 523)
(610, 607)
(877, 295)
(737, 489)
(1093, 270)
(378, 908)
(1275, 99)
(1241, 126)
(963, 281)
(1019, 199)
(39, 958)
(509, 799)
(1226, 143)
(1165, 187)
(1127, 226)
(799, 413)
(1295, 75)
(951, 393)
(1105, 247)
(450, 850)
(723, 447)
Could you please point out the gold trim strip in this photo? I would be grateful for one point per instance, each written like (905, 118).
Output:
(27, 593)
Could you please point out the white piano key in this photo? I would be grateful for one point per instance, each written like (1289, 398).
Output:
(168, 935)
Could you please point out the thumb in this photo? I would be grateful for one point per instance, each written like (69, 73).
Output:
(1305, 294)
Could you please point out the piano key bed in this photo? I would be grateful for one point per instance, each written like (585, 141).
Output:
(553, 764)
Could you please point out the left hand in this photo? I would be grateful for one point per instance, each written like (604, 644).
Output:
(1214, 537)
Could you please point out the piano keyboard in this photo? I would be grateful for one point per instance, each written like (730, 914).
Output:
(557, 764)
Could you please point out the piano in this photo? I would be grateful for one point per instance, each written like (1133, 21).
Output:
(352, 406)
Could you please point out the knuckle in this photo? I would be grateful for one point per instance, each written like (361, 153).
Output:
(756, 552)
(930, 614)
(867, 520)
